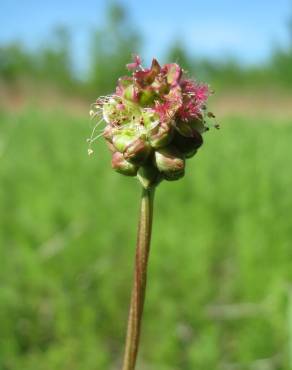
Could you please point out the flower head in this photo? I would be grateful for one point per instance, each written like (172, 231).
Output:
(154, 121)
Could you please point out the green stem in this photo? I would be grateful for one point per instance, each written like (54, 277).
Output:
(138, 291)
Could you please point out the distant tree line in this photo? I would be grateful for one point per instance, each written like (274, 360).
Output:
(111, 48)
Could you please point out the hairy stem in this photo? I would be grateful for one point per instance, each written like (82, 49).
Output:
(140, 277)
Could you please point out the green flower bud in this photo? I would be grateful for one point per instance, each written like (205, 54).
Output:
(188, 146)
(184, 128)
(123, 139)
(161, 135)
(191, 128)
(121, 165)
(198, 125)
(170, 162)
(137, 151)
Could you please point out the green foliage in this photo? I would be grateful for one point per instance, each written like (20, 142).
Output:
(50, 65)
(111, 46)
(282, 67)
(53, 62)
(220, 264)
(15, 62)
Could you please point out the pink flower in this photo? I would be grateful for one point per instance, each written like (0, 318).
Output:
(194, 97)
(167, 108)
(163, 110)
(200, 92)
(188, 111)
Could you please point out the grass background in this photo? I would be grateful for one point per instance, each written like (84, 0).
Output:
(219, 288)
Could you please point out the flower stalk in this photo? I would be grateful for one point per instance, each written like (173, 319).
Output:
(140, 278)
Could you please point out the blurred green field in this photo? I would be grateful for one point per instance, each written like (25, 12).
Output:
(221, 261)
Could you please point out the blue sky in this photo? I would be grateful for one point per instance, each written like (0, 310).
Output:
(245, 29)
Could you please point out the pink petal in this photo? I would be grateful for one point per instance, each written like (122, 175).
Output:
(135, 64)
